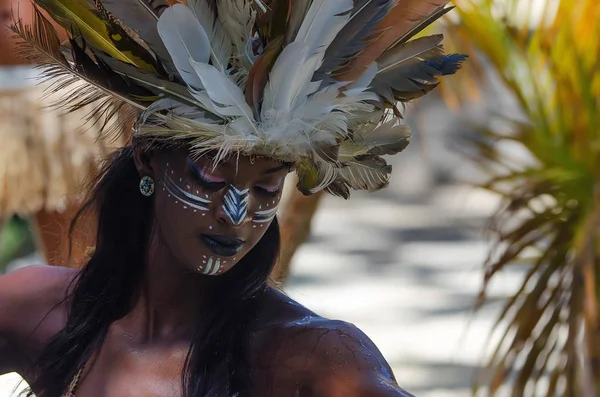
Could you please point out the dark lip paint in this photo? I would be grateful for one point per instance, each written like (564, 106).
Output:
(222, 245)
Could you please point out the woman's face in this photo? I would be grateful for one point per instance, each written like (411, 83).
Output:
(211, 217)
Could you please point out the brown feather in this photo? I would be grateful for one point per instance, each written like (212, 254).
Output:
(399, 21)
(259, 74)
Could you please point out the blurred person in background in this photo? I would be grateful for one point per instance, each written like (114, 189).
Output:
(45, 153)
(175, 299)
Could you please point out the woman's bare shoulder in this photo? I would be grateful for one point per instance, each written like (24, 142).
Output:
(32, 294)
(333, 357)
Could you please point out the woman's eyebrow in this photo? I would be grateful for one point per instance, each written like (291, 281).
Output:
(276, 169)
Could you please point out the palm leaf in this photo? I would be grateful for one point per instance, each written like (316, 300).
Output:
(550, 216)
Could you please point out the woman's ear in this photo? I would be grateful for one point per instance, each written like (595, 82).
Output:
(144, 160)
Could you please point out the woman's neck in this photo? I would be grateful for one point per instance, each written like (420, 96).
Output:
(171, 300)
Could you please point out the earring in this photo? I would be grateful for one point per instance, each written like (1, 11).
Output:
(147, 186)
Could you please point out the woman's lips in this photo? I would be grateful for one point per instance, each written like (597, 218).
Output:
(222, 245)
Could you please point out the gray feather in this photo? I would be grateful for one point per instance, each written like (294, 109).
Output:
(402, 73)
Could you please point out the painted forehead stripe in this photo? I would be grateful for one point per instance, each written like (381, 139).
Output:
(235, 204)
(187, 198)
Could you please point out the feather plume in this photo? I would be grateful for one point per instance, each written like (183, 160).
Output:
(355, 35)
(412, 69)
(307, 81)
(220, 42)
(90, 83)
(142, 17)
(398, 22)
(99, 31)
(185, 40)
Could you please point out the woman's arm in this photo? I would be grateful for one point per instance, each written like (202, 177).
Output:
(27, 319)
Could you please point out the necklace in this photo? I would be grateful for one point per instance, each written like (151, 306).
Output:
(73, 385)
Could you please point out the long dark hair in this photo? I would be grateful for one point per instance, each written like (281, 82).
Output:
(104, 291)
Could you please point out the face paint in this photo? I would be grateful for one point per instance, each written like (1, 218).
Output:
(187, 199)
(265, 216)
(211, 266)
(235, 204)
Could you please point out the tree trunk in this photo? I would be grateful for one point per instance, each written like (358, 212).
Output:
(295, 220)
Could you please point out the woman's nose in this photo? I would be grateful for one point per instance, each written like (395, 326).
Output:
(234, 208)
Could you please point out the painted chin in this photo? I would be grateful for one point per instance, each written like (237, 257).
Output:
(214, 265)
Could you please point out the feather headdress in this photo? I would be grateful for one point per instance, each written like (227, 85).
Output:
(313, 82)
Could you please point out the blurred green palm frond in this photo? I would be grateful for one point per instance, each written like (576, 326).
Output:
(547, 54)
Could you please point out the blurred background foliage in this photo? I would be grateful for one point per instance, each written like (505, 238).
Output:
(547, 56)
(16, 240)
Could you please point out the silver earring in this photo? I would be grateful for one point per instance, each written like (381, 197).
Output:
(147, 186)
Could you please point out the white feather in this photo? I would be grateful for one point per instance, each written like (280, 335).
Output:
(290, 79)
(185, 40)
(285, 78)
(221, 46)
(227, 98)
(323, 21)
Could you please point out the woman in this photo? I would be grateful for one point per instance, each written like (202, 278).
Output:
(227, 98)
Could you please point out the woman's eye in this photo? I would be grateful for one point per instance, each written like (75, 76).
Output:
(206, 184)
(269, 190)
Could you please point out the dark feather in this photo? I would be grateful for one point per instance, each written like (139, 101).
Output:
(150, 81)
(259, 74)
(99, 31)
(279, 20)
(354, 36)
(412, 69)
(142, 17)
(297, 14)
(399, 21)
(85, 84)
(425, 22)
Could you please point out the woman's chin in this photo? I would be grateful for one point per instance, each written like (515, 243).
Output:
(213, 265)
